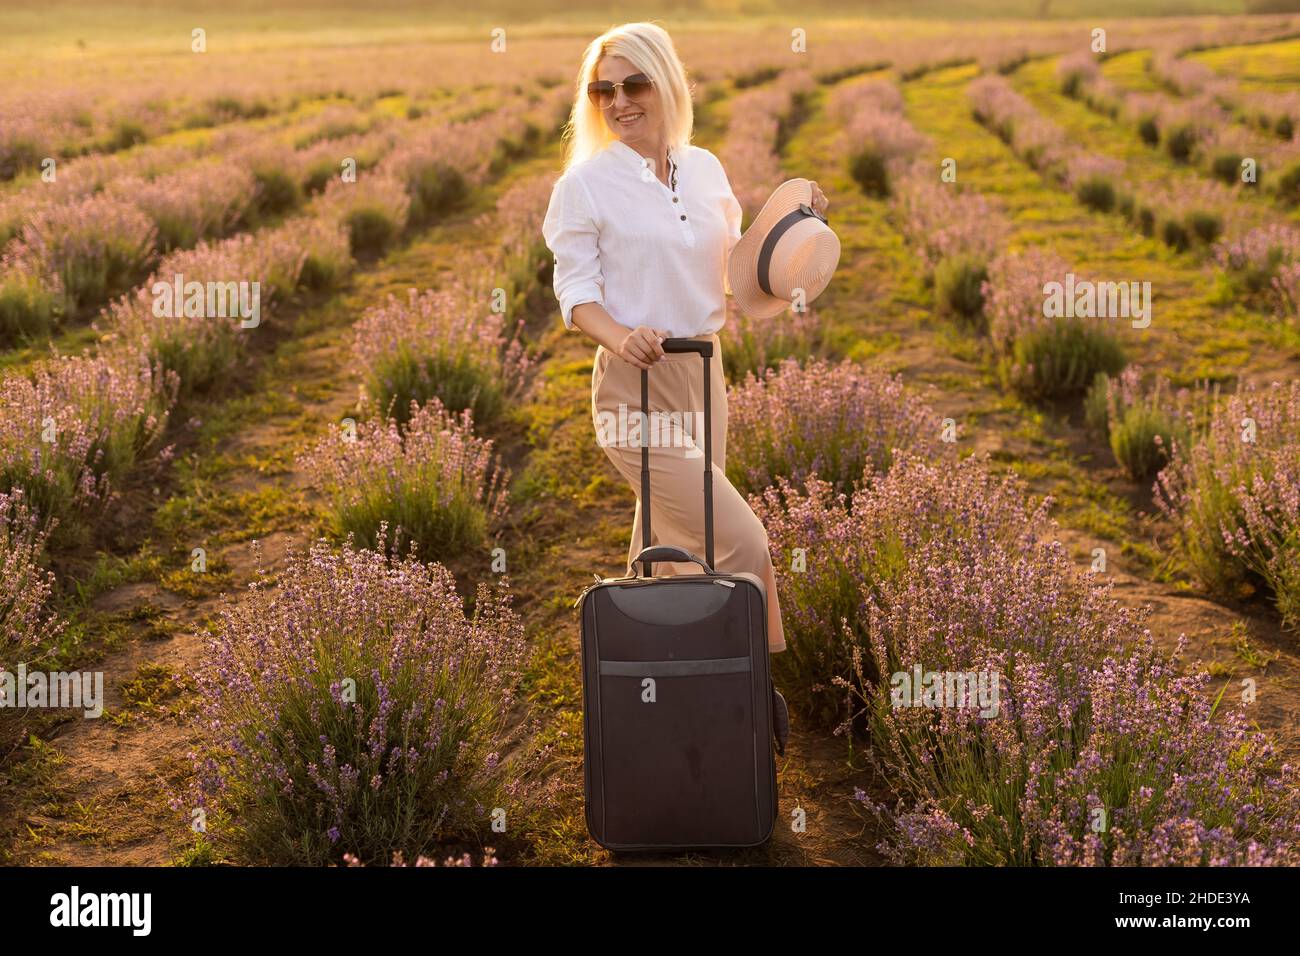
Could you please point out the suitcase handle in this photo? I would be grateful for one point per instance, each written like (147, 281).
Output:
(704, 349)
(666, 552)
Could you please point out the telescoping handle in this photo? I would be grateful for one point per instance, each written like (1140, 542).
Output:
(704, 348)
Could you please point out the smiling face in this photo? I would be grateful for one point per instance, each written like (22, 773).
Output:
(637, 122)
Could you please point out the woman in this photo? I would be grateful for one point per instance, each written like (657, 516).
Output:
(641, 225)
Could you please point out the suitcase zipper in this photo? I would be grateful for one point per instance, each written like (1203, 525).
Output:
(598, 580)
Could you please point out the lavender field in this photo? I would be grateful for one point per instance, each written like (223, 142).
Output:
(298, 485)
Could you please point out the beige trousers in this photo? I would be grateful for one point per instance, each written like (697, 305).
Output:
(677, 465)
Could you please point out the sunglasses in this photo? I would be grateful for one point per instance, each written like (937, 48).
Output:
(635, 87)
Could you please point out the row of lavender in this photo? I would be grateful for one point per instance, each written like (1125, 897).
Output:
(1061, 355)
(73, 429)
(358, 711)
(1259, 266)
(1198, 127)
(101, 104)
(101, 225)
(306, 147)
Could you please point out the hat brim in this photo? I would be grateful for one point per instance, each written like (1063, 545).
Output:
(742, 271)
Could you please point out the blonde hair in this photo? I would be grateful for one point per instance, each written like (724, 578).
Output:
(649, 48)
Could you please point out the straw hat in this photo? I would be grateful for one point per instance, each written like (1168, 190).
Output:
(788, 246)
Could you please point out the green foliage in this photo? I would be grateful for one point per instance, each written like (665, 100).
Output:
(957, 285)
(869, 169)
(1060, 359)
(435, 191)
(372, 230)
(458, 379)
(1097, 192)
(28, 307)
(1180, 142)
(1288, 184)
(1140, 440)
(277, 192)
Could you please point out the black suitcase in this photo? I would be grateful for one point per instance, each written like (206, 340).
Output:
(678, 704)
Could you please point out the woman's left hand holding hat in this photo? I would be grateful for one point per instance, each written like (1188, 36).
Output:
(819, 200)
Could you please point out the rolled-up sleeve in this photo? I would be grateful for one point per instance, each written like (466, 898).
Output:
(733, 213)
(571, 235)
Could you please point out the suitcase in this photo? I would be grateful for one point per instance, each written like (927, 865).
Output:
(678, 704)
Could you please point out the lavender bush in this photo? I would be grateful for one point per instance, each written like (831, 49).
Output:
(1140, 423)
(1233, 493)
(199, 339)
(27, 624)
(446, 344)
(1042, 356)
(880, 143)
(526, 262)
(355, 709)
(73, 427)
(1278, 113)
(1287, 186)
(31, 301)
(201, 201)
(829, 420)
(851, 544)
(1094, 180)
(1187, 77)
(1286, 287)
(1076, 71)
(755, 345)
(429, 169)
(326, 251)
(949, 568)
(96, 246)
(958, 233)
(374, 209)
(1187, 213)
(1252, 263)
(1098, 753)
(942, 220)
(433, 482)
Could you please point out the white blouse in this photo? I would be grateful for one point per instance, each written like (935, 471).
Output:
(649, 255)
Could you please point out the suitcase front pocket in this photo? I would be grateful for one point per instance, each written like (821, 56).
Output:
(681, 764)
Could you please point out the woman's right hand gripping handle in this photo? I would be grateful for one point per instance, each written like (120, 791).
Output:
(641, 347)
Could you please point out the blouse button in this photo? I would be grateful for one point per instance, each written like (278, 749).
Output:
(683, 218)
(674, 199)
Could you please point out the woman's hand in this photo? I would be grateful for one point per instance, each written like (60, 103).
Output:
(819, 202)
(642, 346)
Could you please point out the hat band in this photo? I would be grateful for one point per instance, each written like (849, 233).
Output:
(773, 237)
